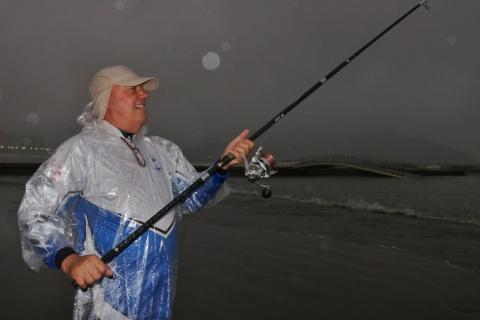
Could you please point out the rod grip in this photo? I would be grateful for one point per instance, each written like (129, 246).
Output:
(226, 159)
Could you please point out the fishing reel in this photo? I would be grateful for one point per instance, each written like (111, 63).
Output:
(261, 166)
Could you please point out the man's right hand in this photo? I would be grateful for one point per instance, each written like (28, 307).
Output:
(85, 270)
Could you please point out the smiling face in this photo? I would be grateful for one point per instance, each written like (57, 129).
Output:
(126, 108)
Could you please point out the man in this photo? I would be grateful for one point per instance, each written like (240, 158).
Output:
(102, 184)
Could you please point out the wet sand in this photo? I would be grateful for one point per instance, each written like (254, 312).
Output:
(248, 258)
(235, 265)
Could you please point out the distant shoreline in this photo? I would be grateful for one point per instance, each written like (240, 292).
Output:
(294, 170)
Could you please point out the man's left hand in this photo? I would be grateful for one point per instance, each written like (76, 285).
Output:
(239, 147)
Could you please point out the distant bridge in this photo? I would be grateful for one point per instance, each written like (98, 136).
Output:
(381, 167)
(377, 166)
(16, 155)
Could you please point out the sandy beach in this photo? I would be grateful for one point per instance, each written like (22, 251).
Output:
(249, 258)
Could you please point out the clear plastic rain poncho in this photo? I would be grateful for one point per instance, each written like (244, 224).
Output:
(95, 190)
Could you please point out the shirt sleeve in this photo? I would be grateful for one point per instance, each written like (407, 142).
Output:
(45, 216)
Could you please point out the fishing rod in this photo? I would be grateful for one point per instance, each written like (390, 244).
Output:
(261, 165)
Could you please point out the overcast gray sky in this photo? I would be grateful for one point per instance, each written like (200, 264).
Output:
(225, 65)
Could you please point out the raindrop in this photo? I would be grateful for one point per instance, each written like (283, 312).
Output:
(211, 61)
(226, 46)
(295, 278)
(33, 118)
(119, 5)
(324, 244)
(451, 40)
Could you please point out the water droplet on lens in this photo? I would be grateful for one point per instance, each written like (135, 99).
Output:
(211, 61)
(324, 244)
(226, 46)
(451, 40)
(33, 118)
(119, 5)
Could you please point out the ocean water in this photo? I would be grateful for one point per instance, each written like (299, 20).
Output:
(434, 217)
(449, 198)
(386, 248)
(338, 248)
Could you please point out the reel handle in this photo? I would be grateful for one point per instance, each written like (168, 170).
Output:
(266, 192)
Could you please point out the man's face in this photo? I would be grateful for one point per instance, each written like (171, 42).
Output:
(126, 107)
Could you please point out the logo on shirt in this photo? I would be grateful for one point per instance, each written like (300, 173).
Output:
(155, 164)
(54, 173)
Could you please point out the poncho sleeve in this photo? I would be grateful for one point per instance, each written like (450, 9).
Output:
(45, 214)
(184, 174)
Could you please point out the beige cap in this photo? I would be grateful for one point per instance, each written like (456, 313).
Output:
(105, 79)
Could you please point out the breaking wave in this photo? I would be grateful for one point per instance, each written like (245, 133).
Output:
(361, 204)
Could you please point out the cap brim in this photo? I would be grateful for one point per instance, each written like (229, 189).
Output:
(149, 84)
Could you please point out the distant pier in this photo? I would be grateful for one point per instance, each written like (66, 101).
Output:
(25, 160)
(361, 166)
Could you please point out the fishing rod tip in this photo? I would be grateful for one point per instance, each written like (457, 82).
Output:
(425, 4)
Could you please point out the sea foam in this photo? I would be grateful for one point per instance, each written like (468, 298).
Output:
(361, 204)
